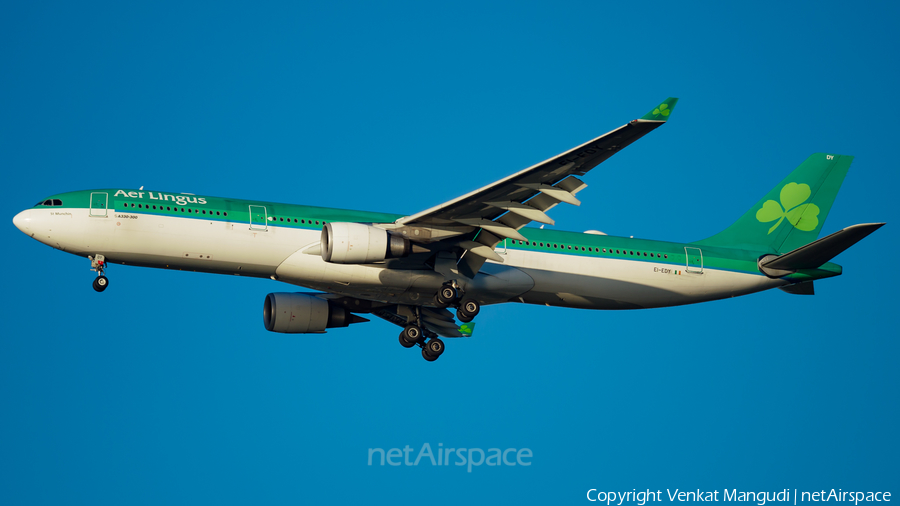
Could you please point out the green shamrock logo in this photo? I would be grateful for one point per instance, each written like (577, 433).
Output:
(800, 215)
(466, 329)
(662, 109)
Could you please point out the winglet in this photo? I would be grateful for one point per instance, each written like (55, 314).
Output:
(466, 329)
(662, 111)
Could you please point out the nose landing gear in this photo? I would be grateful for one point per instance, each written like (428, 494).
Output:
(100, 283)
(98, 264)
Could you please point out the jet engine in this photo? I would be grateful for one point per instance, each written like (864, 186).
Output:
(301, 313)
(357, 243)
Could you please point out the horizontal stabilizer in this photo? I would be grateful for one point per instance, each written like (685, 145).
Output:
(805, 288)
(818, 252)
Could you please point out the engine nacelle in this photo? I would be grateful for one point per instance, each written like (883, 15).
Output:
(300, 313)
(356, 243)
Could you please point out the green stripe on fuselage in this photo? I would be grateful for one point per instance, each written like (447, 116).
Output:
(238, 210)
(310, 217)
(638, 250)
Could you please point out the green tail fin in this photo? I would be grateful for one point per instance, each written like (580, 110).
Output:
(792, 214)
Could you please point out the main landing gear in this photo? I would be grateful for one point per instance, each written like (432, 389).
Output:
(412, 336)
(448, 295)
(98, 264)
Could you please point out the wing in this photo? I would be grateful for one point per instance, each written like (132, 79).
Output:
(476, 222)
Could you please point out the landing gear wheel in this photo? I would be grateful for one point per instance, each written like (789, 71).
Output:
(433, 348)
(468, 310)
(438, 304)
(412, 333)
(404, 341)
(426, 356)
(447, 295)
(100, 283)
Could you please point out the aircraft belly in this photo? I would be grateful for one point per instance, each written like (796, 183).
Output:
(601, 283)
(499, 283)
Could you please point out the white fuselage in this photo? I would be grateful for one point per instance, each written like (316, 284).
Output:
(277, 252)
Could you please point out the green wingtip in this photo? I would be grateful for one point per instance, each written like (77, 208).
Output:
(466, 329)
(662, 111)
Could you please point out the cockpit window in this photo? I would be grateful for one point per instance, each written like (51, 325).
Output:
(50, 202)
(57, 202)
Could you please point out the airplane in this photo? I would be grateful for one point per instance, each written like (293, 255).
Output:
(472, 251)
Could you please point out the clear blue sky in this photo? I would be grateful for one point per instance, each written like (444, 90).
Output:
(166, 389)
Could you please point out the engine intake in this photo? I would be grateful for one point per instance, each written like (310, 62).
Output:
(301, 313)
(357, 243)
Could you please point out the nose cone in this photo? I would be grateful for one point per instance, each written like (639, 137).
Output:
(22, 222)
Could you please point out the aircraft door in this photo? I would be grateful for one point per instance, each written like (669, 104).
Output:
(99, 203)
(694, 260)
(258, 218)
